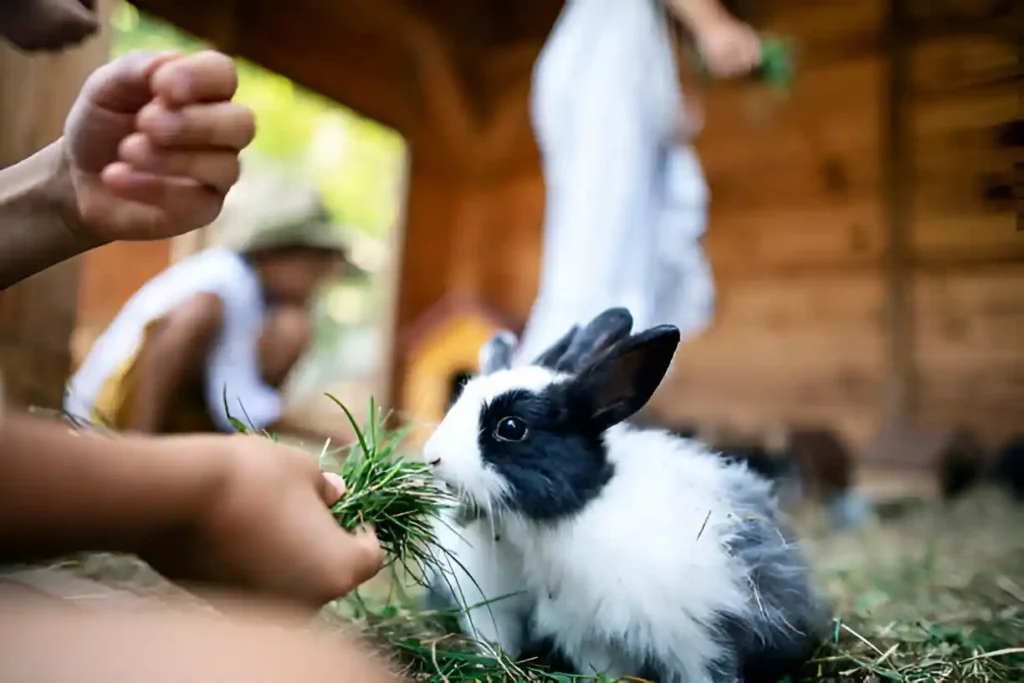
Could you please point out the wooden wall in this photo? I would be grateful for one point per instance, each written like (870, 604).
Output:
(968, 251)
(37, 316)
(800, 233)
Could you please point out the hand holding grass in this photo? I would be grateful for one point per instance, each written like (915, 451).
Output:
(265, 525)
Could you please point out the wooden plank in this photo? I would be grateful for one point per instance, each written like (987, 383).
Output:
(300, 41)
(826, 20)
(979, 111)
(953, 63)
(973, 313)
(826, 178)
(956, 153)
(963, 238)
(897, 158)
(38, 314)
(969, 351)
(785, 328)
(837, 235)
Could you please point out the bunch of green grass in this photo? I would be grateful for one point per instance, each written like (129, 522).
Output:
(426, 647)
(384, 490)
(394, 495)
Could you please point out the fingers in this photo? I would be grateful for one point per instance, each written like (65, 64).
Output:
(350, 558)
(159, 200)
(205, 76)
(334, 561)
(123, 85)
(371, 556)
(223, 124)
(217, 169)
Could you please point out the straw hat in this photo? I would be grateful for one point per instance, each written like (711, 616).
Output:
(270, 208)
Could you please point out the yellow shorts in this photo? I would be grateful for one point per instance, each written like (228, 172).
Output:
(115, 401)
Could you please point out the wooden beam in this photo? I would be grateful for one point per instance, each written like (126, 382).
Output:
(361, 69)
(38, 315)
(897, 186)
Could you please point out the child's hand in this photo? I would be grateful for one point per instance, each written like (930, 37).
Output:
(265, 525)
(729, 47)
(152, 143)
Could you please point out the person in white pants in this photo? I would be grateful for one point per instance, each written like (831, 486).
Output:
(626, 198)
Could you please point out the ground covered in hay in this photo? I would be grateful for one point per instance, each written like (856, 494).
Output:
(930, 592)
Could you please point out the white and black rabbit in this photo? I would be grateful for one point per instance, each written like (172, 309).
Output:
(629, 552)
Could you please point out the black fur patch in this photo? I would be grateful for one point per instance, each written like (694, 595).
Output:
(790, 623)
(562, 463)
(754, 662)
(543, 652)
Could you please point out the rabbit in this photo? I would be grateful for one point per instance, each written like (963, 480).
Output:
(631, 552)
(479, 575)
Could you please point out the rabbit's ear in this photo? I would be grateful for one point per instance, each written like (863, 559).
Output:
(608, 328)
(619, 382)
(497, 353)
(549, 359)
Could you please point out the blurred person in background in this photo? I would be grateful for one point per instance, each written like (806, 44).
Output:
(214, 337)
(149, 150)
(626, 197)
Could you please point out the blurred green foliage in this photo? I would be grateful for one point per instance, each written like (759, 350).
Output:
(354, 161)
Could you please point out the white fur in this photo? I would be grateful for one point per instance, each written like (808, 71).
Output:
(644, 564)
(643, 568)
(484, 577)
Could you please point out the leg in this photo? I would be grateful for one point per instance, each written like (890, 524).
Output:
(286, 334)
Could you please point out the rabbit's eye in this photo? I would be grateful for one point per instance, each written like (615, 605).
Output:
(510, 429)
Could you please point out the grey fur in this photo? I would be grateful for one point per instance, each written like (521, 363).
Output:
(497, 353)
(792, 619)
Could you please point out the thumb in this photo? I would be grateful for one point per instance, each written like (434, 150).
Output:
(123, 85)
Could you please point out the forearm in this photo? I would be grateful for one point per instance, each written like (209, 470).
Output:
(697, 14)
(64, 490)
(37, 216)
(160, 370)
(174, 353)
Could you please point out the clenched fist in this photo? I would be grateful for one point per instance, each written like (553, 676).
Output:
(152, 145)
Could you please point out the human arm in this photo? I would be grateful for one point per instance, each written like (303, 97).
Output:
(37, 216)
(294, 425)
(729, 46)
(175, 351)
(149, 151)
(227, 510)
